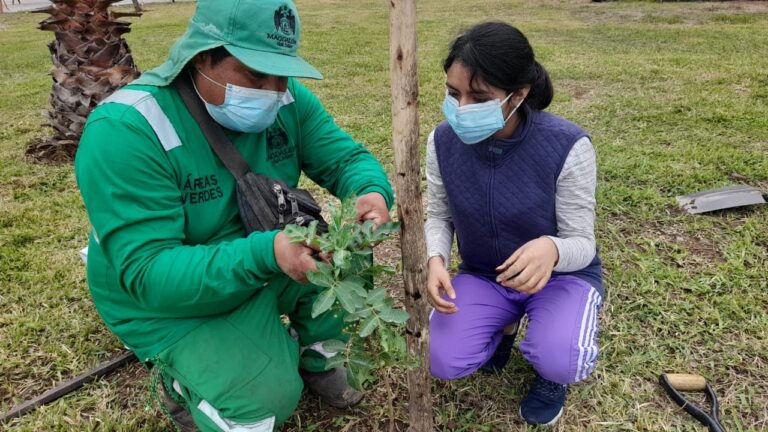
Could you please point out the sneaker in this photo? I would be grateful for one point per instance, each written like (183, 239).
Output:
(501, 356)
(332, 387)
(543, 405)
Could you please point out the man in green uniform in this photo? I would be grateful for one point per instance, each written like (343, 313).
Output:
(170, 267)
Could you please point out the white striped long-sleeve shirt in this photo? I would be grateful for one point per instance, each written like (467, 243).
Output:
(574, 208)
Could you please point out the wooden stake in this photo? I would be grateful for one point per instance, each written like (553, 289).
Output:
(405, 134)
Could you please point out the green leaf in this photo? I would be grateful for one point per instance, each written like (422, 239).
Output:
(384, 305)
(323, 302)
(297, 234)
(341, 259)
(325, 243)
(359, 264)
(377, 269)
(361, 361)
(397, 316)
(350, 300)
(358, 315)
(312, 231)
(385, 230)
(334, 346)
(376, 296)
(353, 378)
(369, 325)
(323, 276)
(356, 284)
(335, 361)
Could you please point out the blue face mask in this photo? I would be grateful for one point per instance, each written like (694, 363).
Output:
(246, 109)
(476, 122)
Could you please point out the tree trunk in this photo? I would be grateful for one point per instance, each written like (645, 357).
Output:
(405, 134)
(90, 61)
(136, 5)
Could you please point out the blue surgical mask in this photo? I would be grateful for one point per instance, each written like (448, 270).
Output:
(476, 122)
(246, 109)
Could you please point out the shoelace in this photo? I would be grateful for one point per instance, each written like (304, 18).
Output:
(547, 388)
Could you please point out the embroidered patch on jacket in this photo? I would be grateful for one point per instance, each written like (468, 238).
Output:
(279, 147)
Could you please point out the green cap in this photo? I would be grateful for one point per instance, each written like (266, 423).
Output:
(263, 34)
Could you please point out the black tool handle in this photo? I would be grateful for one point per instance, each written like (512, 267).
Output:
(710, 420)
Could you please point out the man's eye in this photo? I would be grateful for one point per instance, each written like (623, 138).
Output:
(453, 94)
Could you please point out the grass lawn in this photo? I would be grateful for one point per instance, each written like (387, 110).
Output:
(675, 96)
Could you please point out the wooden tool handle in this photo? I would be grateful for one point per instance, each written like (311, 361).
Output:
(687, 382)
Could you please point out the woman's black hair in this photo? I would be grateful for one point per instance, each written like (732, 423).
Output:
(500, 55)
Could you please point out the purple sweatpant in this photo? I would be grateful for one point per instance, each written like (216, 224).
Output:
(560, 343)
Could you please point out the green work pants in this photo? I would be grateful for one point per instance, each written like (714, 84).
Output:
(242, 366)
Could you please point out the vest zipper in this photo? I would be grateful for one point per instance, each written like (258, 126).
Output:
(493, 220)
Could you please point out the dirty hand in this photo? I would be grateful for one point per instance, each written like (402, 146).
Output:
(372, 206)
(530, 267)
(439, 281)
(294, 259)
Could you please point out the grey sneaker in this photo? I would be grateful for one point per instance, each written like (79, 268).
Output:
(332, 387)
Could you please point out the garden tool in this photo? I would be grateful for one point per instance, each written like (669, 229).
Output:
(673, 384)
(723, 198)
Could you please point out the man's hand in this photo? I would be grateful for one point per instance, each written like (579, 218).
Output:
(294, 259)
(530, 267)
(372, 206)
(439, 281)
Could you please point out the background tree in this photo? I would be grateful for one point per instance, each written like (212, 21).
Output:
(91, 59)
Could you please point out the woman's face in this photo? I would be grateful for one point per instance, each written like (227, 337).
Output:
(458, 85)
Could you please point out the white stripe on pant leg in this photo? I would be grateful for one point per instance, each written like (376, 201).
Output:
(591, 340)
(586, 340)
(592, 360)
(266, 425)
(583, 329)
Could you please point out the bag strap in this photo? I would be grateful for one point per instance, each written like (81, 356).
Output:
(214, 134)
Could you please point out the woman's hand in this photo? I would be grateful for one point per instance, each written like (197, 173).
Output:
(439, 281)
(530, 267)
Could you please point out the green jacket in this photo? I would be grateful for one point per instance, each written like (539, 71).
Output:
(168, 247)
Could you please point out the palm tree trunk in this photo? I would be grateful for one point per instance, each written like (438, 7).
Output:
(90, 61)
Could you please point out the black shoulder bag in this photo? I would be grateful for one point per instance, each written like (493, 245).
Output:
(264, 203)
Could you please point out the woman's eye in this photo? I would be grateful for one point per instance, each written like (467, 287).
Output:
(453, 94)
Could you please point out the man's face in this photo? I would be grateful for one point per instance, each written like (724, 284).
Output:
(231, 71)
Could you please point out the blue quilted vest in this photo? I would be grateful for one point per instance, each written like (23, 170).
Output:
(501, 193)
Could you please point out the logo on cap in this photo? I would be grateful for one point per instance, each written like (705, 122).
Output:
(285, 21)
(285, 26)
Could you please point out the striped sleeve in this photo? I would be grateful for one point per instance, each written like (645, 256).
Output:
(439, 226)
(575, 208)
